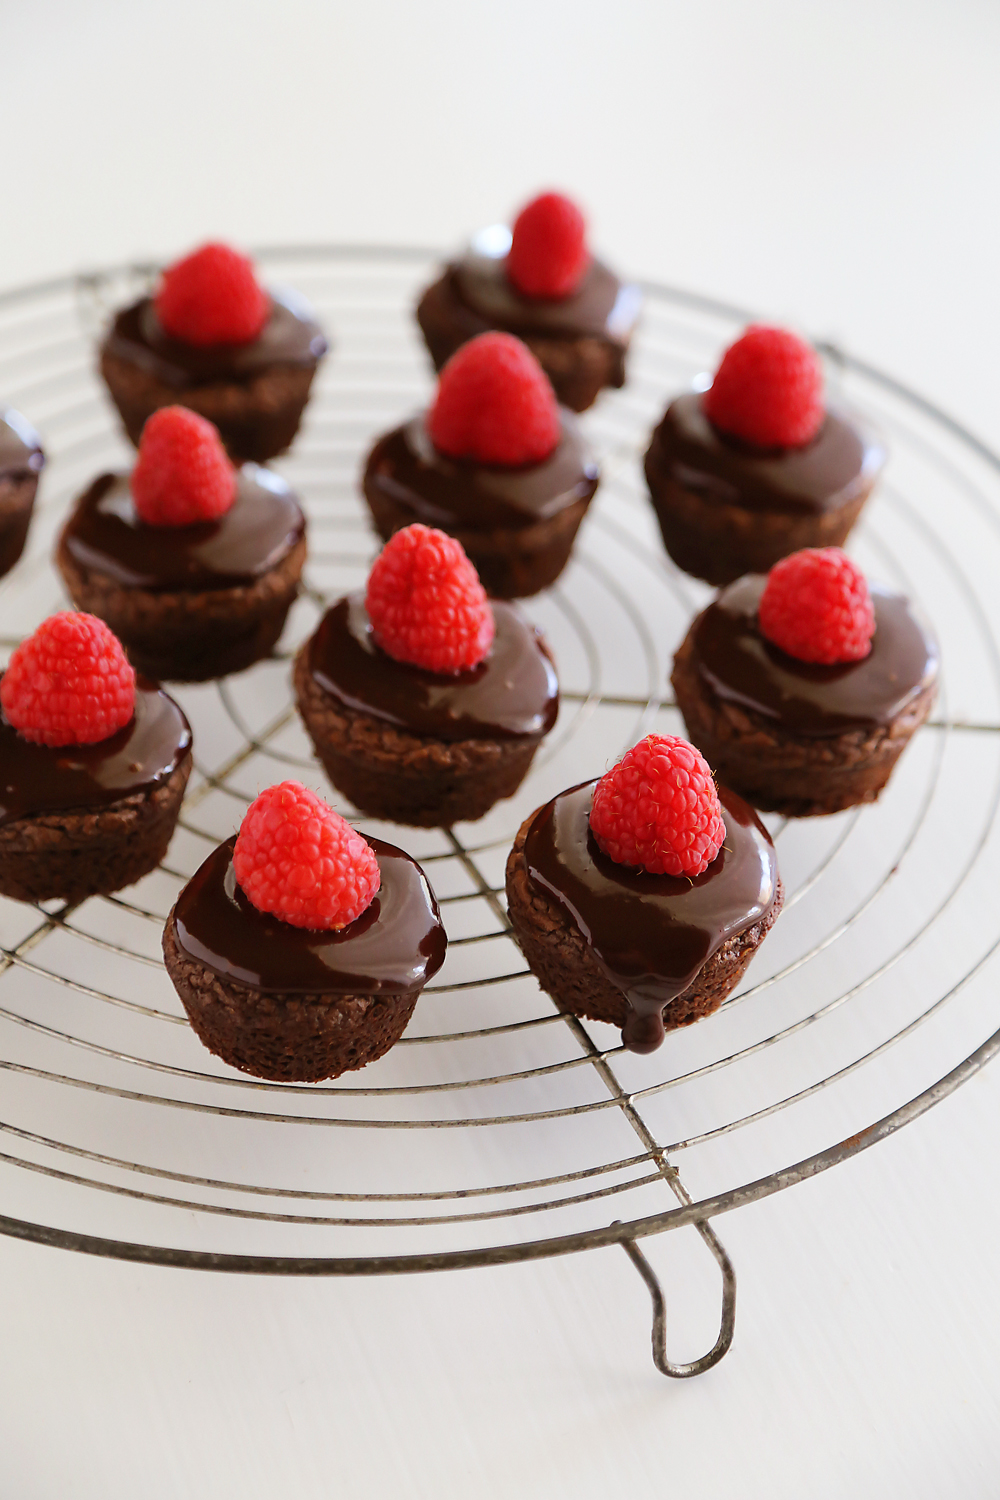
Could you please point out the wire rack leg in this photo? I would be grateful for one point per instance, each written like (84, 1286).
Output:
(663, 1363)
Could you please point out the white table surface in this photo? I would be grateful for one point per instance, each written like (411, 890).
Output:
(833, 166)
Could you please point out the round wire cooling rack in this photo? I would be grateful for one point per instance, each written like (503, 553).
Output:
(498, 1130)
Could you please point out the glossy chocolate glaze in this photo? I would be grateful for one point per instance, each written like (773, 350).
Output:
(512, 694)
(601, 307)
(291, 336)
(36, 779)
(21, 453)
(106, 535)
(651, 934)
(393, 948)
(740, 666)
(458, 493)
(840, 463)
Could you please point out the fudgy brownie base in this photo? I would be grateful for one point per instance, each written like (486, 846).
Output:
(558, 956)
(780, 772)
(257, 418)
(511, 563)
(407, 778)
(284, 1037)
(17, 499)
(579, 368)
(90, 852)
(719, 543)
(190, 637)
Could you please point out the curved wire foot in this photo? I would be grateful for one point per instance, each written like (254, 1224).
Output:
(727, 1326)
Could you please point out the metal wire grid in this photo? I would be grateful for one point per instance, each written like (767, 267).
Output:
(120, 1136)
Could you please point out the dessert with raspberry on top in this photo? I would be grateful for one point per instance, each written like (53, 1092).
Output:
(495, 462)
(804, 686)
(192, 563)
(757, 466)
(425, 703)
(21, 462)
(213, 339)
(93, 765)
(299, 948)
(538, 280)
(640, 898)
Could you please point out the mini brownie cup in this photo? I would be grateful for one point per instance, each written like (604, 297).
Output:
(410, 743)
(539, 282)
(514, 500)
(795, 736)
(213, 340)
(299, 995)
(191, 599)
(21, 461)
(84, 819)
(740, 481)
(645, 950)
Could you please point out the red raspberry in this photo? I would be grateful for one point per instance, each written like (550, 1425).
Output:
(212, 296)
(548, 249)
(768, 390)
(182, 474)
(426, 603)
(299, 860)
(494, 404)
(658, 808)
(816, 607)
(69, 683)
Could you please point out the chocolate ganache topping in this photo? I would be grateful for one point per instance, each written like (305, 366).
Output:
(740, 666)
(36, 779)
(291, 336)
(449, 492)
(393, 948)
(21, 455)
(651, 934)
(841, 462)
(105, 534)
(512, 694)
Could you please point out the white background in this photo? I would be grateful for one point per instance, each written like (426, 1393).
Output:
(832, 165)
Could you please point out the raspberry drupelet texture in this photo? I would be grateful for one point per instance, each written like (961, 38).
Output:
(494, 404)
(69, 683)
(300, 861)
(426, 604)
(816, 607)
(768, 390)
(548, 251)
(658, 809)
(212, 296)
(182, 474)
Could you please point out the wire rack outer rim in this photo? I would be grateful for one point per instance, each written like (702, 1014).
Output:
(619, 1232)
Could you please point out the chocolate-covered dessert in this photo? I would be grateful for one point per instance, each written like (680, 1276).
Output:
(253, 389)
(21, 461)
(579, 337)
(190, 602)
(794, 736)
(646, 952)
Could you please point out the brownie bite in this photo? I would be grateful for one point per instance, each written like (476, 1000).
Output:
(418, 745)
(21, 462)
(86, 819)
(515, 507)
(578, 327)
(250, 376)
(189, 601)
(289, 1001)
(615, 942)
(728, 504)
(802, 737)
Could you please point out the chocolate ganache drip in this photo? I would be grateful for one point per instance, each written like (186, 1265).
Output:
(21, 455)
(392, 948)
(740, 666)
(651, 934)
